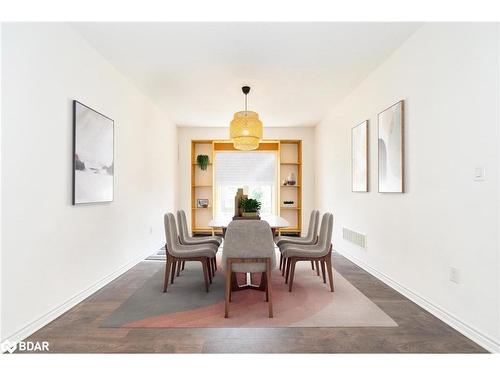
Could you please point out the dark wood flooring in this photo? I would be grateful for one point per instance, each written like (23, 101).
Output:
(78, 331)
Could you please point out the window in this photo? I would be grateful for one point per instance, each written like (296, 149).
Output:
(255, 172)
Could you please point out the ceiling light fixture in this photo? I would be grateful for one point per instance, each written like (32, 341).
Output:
(246, 129)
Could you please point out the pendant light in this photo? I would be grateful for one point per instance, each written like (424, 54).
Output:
(246, 129)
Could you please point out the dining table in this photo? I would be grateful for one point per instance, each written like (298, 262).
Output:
(274, 221)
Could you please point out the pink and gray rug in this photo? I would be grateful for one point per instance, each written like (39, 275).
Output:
(186, 304)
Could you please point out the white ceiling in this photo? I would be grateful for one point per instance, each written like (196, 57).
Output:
(297, 71)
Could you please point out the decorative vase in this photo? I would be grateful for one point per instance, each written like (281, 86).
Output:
(291, 178)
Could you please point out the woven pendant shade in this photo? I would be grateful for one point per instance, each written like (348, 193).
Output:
(246, 130)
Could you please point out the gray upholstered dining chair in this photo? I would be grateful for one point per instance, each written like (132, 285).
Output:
(186, 239)
(322, 252)
(248, 248)
(310, 239)
(177, 253)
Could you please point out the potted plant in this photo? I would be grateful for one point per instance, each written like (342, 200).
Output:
(202, 161)
(250, 206)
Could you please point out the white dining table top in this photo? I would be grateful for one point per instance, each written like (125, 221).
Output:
(273, 221)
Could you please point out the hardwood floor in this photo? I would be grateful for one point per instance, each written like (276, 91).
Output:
(78, 331)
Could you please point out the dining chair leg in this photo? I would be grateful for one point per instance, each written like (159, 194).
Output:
(179, 264)
(312, 264)
(281, 260)
(215, 262)
(317, 267)
(263, 276)
(205, 272)
(167, 273)
(174, 264)
(288, 264)
(183, 264)
(269, 288)
(228, 289)
(323, 270)
(292, 274)
(284, 267)
(209, 269)
(233, 282)
(329, 269)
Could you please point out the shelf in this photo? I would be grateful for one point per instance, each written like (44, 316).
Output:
(201, 208)
(285, 163)
(201, 186)
(198, 164)
(290, 185)
(289, 208)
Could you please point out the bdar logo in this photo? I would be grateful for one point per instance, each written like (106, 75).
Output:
(9, 346)
(25, 346)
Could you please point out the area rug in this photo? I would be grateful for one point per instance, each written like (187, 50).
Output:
(186, 304)
(159, 255)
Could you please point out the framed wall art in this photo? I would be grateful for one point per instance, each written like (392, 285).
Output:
(359, 157)
(202, 203)
(391, 149)
(93, 155)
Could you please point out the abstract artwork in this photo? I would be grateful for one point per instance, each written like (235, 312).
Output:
(390, 149)
(359, 157)
(93, 155)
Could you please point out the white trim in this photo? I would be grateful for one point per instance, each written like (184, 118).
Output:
(467, 330)
(45, 319)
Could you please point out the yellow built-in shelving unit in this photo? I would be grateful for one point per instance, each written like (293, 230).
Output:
(291, 162)
(201, 186)
(289, 154)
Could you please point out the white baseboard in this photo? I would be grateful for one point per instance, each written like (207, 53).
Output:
(34, 326)
(467, 330)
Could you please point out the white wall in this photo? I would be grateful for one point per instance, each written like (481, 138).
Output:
(306, 134)
(448, 76)
(53, 251)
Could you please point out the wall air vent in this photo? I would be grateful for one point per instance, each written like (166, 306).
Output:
(356, 238)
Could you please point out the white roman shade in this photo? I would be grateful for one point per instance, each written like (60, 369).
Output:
(245, 168)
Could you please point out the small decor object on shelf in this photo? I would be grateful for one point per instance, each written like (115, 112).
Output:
(288, 203)
(291, 179)
(237, 202)
(202, 203)
(250, 206)
(202, 161)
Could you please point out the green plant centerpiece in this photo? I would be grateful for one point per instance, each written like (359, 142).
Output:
(202, 161)
(250, 207)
